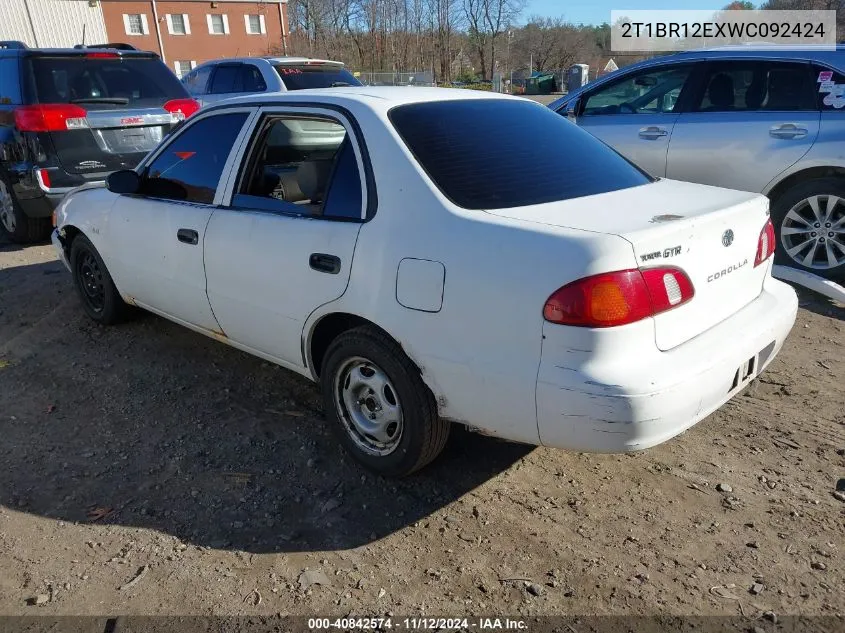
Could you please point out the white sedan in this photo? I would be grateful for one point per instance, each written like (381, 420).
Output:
(435, 256)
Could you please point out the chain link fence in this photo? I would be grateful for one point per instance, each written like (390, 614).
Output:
(422, 78)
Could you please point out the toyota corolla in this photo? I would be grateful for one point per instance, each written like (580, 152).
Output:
(433, 257)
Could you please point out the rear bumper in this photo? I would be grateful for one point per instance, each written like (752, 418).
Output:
(612, 402)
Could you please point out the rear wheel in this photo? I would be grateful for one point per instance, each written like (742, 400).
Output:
(381, 410)
(14, 223)
(100, 298)
(809, 219)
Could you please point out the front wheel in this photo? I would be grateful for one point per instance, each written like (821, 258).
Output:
(100, 298)
(380, 409)
(809, 220)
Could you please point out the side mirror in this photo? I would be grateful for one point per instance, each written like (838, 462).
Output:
(125, 181)
(572, 109)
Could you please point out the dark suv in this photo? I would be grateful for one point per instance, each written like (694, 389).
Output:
(72, 116)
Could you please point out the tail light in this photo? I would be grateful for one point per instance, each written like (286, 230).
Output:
(50, 117)
(181, 108)
(102, 55)
(765, 243)
(43, 176)
(618, 298)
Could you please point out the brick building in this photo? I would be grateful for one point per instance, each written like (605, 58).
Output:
(188, 32)
(183, 32)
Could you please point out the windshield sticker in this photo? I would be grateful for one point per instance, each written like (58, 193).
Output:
(826, 86)
(825, 75)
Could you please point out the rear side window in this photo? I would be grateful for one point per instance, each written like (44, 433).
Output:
(237, 78)
(10, 89)
(830, 88)
(315, 76)
(189, 168)
(225, 79)
(756, 86)
(104, 83)
(302, 166)
(498, 153)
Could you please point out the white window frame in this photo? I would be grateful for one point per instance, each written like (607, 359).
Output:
(185, 20)
(211, 24)
(262, 25)
(145, 27)
(181, 72)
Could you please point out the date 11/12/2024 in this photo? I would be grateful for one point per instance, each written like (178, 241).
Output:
(420, 623)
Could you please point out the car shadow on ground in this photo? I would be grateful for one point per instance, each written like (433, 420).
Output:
(147, 424)
(818, 303)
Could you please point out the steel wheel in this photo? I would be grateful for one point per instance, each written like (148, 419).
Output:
(91, 280)
(7, 208)
(368, 406)
(813, 232)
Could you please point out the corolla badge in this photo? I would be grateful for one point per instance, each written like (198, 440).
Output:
(727, 238)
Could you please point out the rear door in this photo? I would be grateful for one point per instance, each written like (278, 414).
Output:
(116, 106)
(282, 243)
(749, 121)
(636, 114)
(157, 235)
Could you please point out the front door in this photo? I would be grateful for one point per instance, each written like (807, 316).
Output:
(283, 244)
(750, 121)
(636, 114)
(157, 235)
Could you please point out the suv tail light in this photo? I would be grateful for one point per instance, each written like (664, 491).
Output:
(50, 117)
(765, 243)
(618, 298)
(181, 108)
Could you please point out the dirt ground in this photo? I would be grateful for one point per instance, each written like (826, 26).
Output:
(149, 470)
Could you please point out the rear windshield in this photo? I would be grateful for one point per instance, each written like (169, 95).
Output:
(302, 77)
(104, 83)
(497, 154)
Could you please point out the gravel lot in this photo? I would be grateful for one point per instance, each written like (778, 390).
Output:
(147, 469)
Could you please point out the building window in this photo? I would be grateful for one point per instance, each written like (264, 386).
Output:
(218, 24)
(183, 67)
(178, 24)
(135, 24)
(255, 24)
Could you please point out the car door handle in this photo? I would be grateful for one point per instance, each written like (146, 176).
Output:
(325, 263)
(652, 132)
(787, 130)
(188, 236)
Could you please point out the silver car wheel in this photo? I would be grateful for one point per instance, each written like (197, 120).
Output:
(7, 208)
(368, 406)
(813, 232)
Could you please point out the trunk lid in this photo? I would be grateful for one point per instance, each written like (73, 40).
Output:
(708, 232)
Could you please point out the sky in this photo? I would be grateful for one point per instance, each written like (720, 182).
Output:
(598, 11)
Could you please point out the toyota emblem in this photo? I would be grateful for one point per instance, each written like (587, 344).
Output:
(727, 238)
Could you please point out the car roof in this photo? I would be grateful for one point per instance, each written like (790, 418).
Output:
(73, 52)
(380, 98)
(835, 58)
(271, 59)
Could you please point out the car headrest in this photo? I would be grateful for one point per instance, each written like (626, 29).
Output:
(313, 178)
(721, 90)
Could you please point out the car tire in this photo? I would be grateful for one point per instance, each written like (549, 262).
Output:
(378, 405)
(100, 298)
(800, 227)
(14, 223)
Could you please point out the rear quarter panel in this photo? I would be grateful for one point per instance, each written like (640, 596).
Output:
(481, 352)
